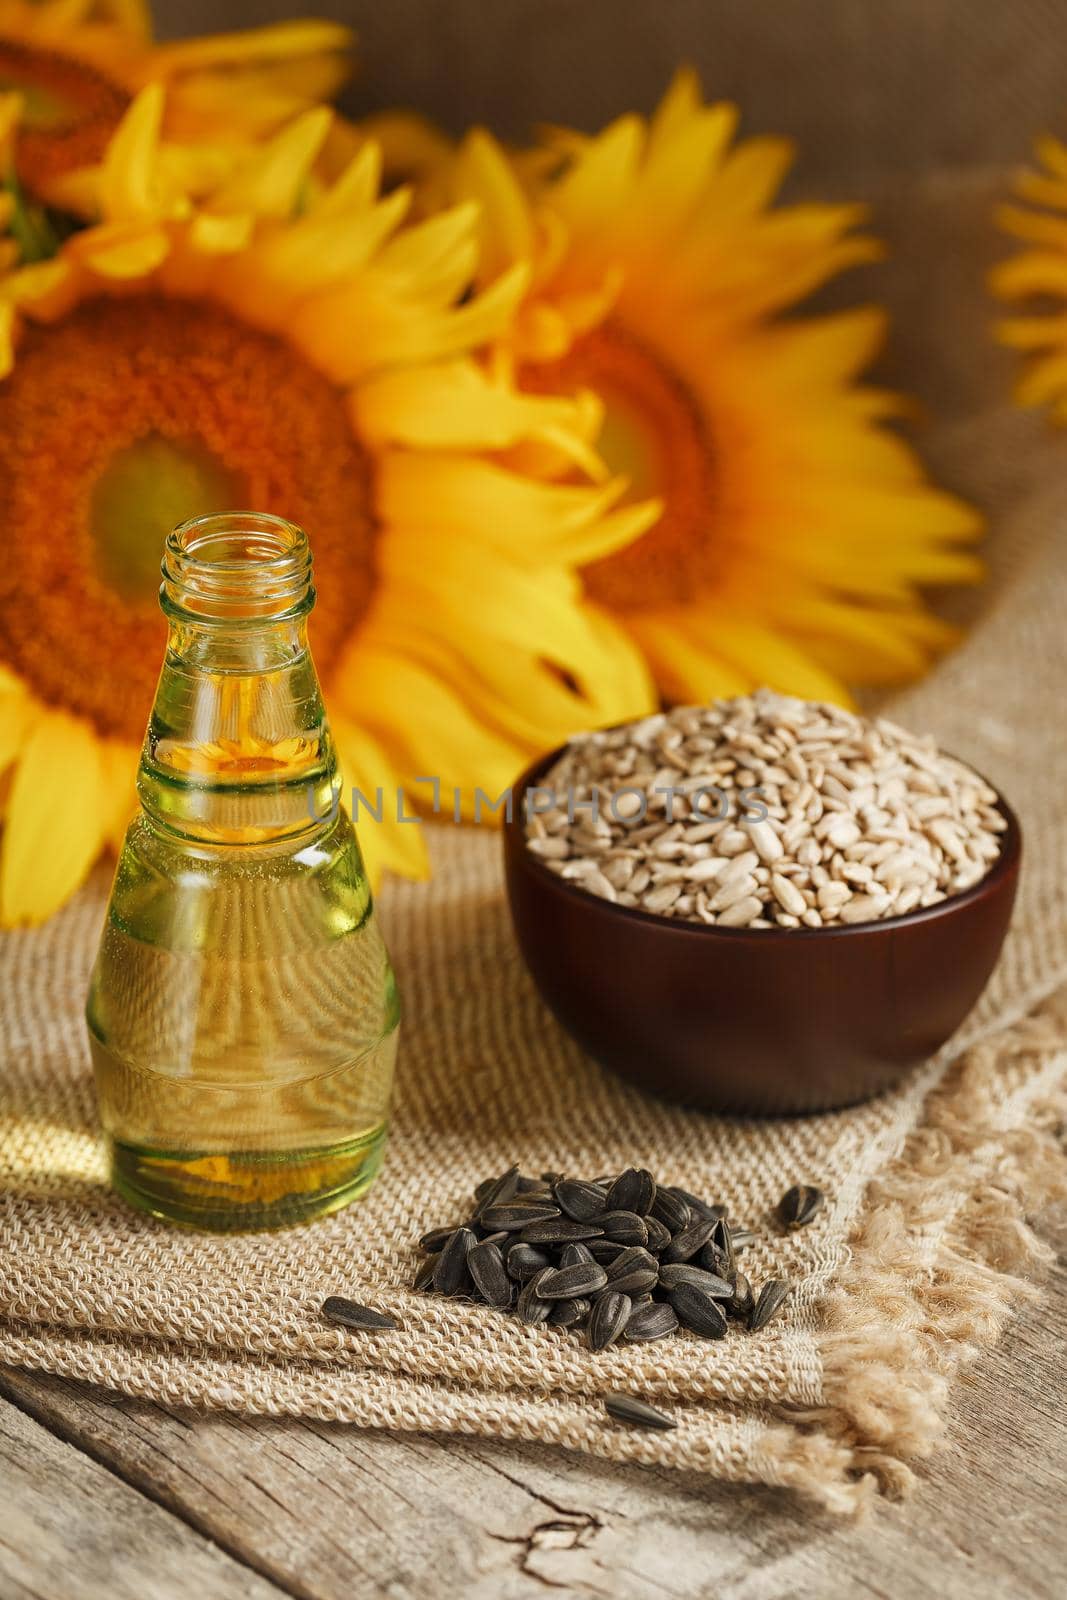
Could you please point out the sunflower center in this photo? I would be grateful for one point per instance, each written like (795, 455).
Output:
(655, 434)
(70, 112)
(126, 418)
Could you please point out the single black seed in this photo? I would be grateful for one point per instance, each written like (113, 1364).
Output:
(502, 1189)
(609, 1316)
(623, 1227)
(450, 1275)
(571, 1254)
(741, 1301)
(569, 1313)
(482, 1189)
(713, 1258)
(530, 1306)
(350, 1314)
(653, 1320)
(524, 1261)
(558, 1230)
(699, 1311)
(769, 1302)
(686, 1244)
(435, 1239)
(674, 1273)
(740, 1238)
(659, 1236)
(671, 1210)
(605, 1250)
(513, 1215)
(633, 1190)
(634, 1271)
(636, 1413)
(486, 1266)
(565, 1283)
(699, 1208)
(423, 1279)
(721, 1249)
(799, 1204)
(579, 1200)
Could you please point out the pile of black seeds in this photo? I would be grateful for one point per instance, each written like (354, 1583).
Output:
(618, 1257)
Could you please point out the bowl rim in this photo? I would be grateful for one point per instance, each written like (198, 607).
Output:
(1006, 863)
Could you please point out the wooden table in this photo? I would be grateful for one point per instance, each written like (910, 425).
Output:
(105, 1497)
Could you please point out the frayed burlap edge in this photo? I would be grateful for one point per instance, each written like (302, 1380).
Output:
(942, 1254)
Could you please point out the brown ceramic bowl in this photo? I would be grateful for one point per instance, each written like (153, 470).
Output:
(758, 1020)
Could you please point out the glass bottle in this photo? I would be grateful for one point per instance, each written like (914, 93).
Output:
(242, 1012)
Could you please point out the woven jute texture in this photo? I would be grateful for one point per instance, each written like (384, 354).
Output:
(911, 1266)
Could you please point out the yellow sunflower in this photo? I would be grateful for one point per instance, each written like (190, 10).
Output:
(308, 357)
(1040, 270)
(794, 531)
(77, 64)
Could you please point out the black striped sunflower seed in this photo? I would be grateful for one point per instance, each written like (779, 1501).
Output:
(609, 1316)
(675, 1272)
(605, 1250)
(558, 1230)
(623, 1227)
(350, 1314)
(436, 1239)
(699, 1207)
(634, 1271)
(571, 1254)
(686, 1244)
(636, 1413)
(633, 1190)
(740, 1238)
(499, 1191)
(451, 1275)
(485, 1263)
(523, 1260)
(511, 1216)
(799, 1204)
(671, 1210)
(423, 1279)
(569, 1313)
(698, 1311)
(659, 1237)
(769, 1302)
(530, 1307)
(653, 1320)
(579, 1200)
(565, 1283)
(741, 1301)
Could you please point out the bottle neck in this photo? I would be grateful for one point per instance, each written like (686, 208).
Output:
(238, 750)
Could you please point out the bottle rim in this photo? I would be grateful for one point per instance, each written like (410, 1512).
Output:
(237, 566)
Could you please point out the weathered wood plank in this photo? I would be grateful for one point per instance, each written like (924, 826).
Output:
(71, 1530)
(320, 1509)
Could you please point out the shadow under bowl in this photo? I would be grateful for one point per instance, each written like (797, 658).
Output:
(760, 1020)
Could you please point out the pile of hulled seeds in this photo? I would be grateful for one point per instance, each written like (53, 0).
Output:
(764, 811)
(620, 1258)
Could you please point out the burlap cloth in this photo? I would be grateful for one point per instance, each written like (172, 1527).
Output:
(922, 1251)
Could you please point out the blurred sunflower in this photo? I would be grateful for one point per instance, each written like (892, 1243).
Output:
(77, 64)
(792, 531)
(1039, 270)
(307, 356)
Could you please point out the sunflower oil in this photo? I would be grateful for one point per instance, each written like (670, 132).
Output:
(242, 1011)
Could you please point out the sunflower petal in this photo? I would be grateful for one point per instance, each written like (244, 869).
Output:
(55, 819)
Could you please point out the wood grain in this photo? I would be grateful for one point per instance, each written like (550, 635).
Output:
(316, 1509)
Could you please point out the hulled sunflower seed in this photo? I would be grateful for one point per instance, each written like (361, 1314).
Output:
(636, 1413)
(800, 1204)
(530, 1306)
(450, 1274)
(653, 1320)
(486, 1266)
(768, 1303)
(584, 1278)
(674, 1273)
(350, 1314)
(698, 1311)
(580, 1201)
(609, 1316)
(633, 1190)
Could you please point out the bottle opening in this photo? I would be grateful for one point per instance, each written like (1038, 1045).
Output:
(238, 565)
